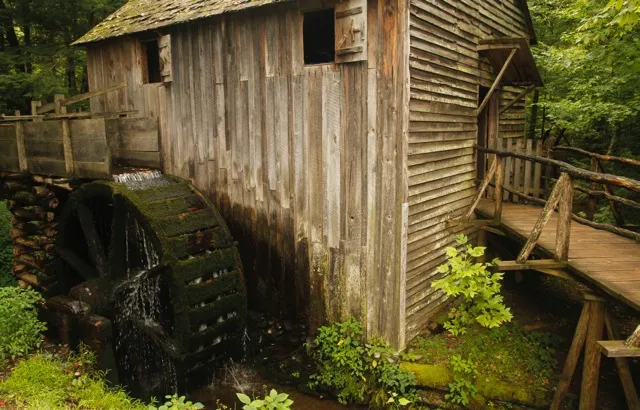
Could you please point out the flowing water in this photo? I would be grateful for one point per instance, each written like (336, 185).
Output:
(242, 378)
(140, 309)
(140, 305)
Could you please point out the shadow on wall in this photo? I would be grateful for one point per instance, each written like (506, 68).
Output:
(276, 263)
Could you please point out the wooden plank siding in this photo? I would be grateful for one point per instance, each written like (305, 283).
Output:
(306, 163)
(292, 157)
(445, 72)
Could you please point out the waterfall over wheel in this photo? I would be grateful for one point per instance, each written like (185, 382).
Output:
(155, 259)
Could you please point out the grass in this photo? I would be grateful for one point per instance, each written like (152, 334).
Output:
(506, 353)
(46, 382)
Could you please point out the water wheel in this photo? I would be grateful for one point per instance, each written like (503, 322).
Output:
(156, 259)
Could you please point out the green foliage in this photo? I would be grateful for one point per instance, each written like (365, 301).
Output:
(272, 401)
(358, 372)
(479, 288)
(20, 329)
(37, 59)
(6, 247)
(588, 53)
(175, 402)
(45, 382)
(462, 389)
(507, 353)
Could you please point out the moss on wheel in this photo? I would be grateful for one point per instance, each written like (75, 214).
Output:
(200, 266)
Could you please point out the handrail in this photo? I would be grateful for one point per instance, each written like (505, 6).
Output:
(560, 198)
(602, 157)
(610, 179)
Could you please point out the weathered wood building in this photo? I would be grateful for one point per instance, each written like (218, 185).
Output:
(336, 137)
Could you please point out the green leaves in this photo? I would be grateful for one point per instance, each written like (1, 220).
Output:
(20, 329)
(272, 401)
(477, 285)
(357, 372)
(175, 402)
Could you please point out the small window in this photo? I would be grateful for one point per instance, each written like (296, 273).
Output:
(151, 62)
(319, 37)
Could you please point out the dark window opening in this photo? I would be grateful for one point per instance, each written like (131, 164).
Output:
(152, 62)
(319, 37)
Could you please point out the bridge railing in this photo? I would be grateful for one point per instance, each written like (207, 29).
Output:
(561, 196)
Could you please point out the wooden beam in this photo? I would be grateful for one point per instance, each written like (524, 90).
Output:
(557, 273)
(498, 192)
(22, 153)
(518, 98)
(571, 361)
(530, 265)
(497, 80)
(483, 186)
(485, 47)
(471, 222)
(602, 157)
(563, 229)
(617, 348)
(624, 372)
(554, 198)
(81, 97)
(615, 180)
(66, 145)
(592, 356)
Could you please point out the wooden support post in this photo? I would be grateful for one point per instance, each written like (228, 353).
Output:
(563, 230)
(518, 97)
(554, 198)
(66, 145)
(34, 109)
(496, 81)
(622, 365)
(497, 214)
(22, 153)
(57, 103)
(483, 186)
(592, 356)
(571, 361)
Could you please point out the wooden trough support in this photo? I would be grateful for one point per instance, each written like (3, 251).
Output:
(593, 320)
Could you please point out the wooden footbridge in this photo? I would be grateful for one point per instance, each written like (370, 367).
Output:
(605, 257)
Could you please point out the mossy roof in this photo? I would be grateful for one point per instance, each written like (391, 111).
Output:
(142, 15)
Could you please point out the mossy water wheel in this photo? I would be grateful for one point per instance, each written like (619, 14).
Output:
(156, 259)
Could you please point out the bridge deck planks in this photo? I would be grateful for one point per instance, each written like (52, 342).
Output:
(602, 259)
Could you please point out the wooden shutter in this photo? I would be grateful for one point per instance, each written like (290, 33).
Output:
(164, 50)
(351, 30)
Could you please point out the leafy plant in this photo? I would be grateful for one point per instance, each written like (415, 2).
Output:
(462, 389)
(272, 401)
(395, 402)
(175, 402)
(357, 372)
(6, 247)
(479, 288)
(20, 329)
(46, 382)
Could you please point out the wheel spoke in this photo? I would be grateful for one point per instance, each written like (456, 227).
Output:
(84, 269)
(117, 252)
(96, 250)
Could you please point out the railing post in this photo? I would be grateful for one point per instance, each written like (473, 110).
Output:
(497, 215)
(592, 203)
(565, 208)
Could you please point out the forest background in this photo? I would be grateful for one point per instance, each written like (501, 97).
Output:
(588, 52)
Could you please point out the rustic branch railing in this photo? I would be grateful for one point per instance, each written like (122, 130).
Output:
(560, 197)
(594, 194)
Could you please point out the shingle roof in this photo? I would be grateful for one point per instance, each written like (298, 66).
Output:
(142, 15)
